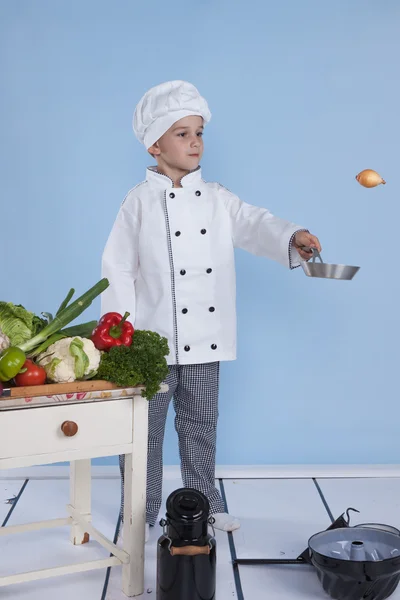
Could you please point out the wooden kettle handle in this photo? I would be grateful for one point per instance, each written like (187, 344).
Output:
(189, 550)
(69, 428)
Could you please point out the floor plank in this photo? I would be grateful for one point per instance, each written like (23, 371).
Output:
(43, 500)
(280, 583)
(378, 500)
(277, 518)
(9, 491)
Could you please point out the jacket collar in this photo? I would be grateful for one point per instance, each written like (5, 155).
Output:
(163, 181)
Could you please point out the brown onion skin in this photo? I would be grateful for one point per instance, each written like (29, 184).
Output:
(369, 178)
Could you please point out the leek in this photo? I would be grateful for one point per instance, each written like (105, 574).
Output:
(83, 330)
(66, 315)
(64, 303)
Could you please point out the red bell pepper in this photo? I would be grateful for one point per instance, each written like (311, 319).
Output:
(112, 330)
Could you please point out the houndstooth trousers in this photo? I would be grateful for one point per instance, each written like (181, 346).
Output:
(194, 389)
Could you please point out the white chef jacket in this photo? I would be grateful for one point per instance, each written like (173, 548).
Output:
(170, 262)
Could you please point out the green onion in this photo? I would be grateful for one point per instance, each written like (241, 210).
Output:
(66, 315)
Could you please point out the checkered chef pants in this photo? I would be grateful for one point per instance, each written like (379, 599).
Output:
(194, 389)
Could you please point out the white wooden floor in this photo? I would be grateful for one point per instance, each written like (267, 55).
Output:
(278, 516)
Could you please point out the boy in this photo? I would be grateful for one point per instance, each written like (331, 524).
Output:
(170, 263)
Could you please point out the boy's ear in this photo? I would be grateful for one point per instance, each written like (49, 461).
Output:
(154, 150)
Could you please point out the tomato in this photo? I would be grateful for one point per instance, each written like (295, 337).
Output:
(34, 375)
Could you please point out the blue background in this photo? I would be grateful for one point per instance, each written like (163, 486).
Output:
(304, 95)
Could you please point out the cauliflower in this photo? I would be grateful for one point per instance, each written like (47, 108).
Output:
(4, 341)
(70, 359)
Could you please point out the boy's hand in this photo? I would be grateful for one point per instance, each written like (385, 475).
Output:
(303, 238)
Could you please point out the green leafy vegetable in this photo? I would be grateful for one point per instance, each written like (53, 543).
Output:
(37, 322)
(81, 358)
(142, 363)
(16, 322)
(52, 368)
(84, 330)
(37, 325)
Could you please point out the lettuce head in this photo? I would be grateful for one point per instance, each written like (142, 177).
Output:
(17, 323)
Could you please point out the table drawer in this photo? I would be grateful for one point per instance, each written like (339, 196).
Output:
(52, 429)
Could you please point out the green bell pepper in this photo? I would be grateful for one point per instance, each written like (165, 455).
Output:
(11, 362)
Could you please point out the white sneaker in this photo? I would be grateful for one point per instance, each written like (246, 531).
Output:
(120, 540)
(225, 522)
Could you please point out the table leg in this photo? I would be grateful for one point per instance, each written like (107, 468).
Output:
(80, 496)
(135, 501)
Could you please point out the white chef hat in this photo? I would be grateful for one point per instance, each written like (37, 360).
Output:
(164, 105)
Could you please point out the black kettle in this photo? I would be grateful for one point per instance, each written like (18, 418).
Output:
(186, 553)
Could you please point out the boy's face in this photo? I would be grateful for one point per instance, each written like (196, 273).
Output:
(181, 147)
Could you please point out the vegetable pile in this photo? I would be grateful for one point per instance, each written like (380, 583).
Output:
(35, 350)
(18, 324)
(70, 359)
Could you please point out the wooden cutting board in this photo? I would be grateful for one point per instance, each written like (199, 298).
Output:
(52, 389)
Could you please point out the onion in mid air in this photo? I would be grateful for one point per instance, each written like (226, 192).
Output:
(369, 178)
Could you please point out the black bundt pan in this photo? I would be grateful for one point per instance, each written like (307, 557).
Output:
(373, 577)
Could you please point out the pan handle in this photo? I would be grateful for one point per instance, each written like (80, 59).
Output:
(315, 253)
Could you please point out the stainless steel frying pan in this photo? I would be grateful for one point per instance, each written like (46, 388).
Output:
(326, 270)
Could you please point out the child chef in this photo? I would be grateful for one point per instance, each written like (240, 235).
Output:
(170, 262)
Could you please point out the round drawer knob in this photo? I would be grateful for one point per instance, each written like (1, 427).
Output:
(69, 428)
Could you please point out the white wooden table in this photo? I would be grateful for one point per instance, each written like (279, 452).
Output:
(77, 428)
